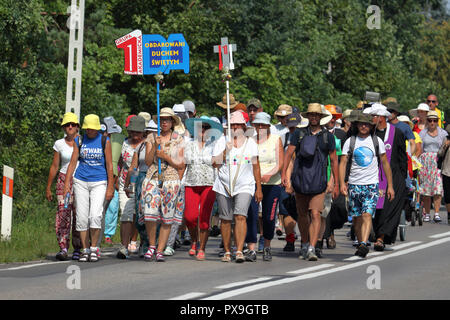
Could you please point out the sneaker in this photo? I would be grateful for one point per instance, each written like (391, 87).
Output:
(289, 247)
(108, 240)
(355, 243)
(426, 218)
(303, 251)
(318, 252)
(311, 254)
(250, 256)
(437, 218)
(123, 253)
(362, 251)
(267, 254)
(261, 244)
(62, 255)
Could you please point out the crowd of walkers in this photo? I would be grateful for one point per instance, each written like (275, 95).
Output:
(193, 175)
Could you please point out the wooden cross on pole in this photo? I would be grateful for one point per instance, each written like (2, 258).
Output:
(225, 52)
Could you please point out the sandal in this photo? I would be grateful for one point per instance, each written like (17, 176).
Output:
(331, 243)
(226, 257)
(148, 256)
(379, 245)
(193, 251)
(76, 255)
(84, 257)
(239, 257)
(93, 257)
(160, 257)
(200, 255)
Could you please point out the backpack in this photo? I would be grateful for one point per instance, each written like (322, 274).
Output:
(80, 143)
(352, 148)
(310, 167)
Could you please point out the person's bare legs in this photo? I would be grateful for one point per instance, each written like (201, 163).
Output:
(164, 232)
(94, 235)
(225, 230)
(437, 200)
(240, 231)
(125, 232)
(314, 227)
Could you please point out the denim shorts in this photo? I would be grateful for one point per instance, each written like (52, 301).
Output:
(362, 199)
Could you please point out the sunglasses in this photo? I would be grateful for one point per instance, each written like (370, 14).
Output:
(431, 101)
(433, 120)
(70, 124)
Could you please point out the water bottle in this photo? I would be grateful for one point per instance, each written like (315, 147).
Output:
(66, 200)
(133, 178)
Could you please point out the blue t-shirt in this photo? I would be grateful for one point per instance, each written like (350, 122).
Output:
(92, 164)
(405, 129)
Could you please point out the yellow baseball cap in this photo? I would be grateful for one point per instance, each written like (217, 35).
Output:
(91, 121)
(69, 117)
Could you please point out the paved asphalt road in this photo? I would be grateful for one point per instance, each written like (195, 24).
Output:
(418, 268)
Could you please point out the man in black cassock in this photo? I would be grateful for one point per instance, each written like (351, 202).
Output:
(387, 217)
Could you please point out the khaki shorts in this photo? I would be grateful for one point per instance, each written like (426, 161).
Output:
(308, 202)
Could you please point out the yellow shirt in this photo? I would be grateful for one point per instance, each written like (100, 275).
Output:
(268, 153)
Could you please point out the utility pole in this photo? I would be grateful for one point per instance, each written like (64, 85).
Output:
(76, 26)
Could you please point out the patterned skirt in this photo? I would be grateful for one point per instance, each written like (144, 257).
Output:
(162, 204)
(430, 179)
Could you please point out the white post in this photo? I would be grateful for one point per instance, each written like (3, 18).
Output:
(7, 201)
(76, 26)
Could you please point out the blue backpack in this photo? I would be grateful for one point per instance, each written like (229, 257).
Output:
(310, 167)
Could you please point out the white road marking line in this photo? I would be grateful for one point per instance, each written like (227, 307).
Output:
(440, 235)
(34, 265)
(304, 270)
(406, 244)
(241, 283)
(266, 285)
(371, 254)
(187, 296)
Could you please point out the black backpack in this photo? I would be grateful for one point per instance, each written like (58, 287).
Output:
(352, 148)
(310, 167)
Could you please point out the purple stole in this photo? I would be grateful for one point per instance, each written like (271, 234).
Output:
(382, 185)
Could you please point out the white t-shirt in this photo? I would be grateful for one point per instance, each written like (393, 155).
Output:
(364, 168)
(245, 182)
(65, 153)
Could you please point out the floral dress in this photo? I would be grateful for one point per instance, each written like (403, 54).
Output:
(162, 203)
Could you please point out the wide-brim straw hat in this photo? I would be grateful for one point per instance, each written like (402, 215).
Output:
(168, 112)
(223, 103)
(327, 118)
(314, 108)
(415, 112)
(91, 121)
(432, 114)
(406, 119)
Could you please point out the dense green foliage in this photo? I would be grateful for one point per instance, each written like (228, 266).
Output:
(284, 47)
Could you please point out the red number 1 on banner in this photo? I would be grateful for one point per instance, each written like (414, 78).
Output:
(132, 48)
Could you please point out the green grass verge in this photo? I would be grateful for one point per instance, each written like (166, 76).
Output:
(33, 237)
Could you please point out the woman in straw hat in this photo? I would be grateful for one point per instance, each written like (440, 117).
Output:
(160, 194)
(199, 180)
(93, 183)
(430, 180)
(238, 174)
(62, 154)
(419, 115)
